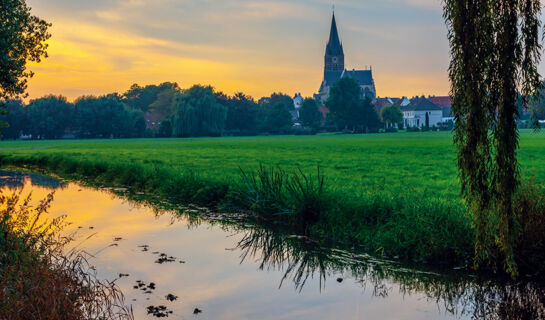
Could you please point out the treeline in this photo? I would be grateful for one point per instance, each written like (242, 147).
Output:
(166, 110)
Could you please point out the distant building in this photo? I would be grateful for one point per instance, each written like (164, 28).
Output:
(334, 69)
(414, 114)
(298, 101)
(445, 104)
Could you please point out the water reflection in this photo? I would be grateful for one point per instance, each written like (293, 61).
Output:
(17, 180)
(458, 293)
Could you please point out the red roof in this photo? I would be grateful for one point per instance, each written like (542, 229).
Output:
(324, 111)
(441, 101)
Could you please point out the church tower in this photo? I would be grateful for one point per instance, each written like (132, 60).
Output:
(334, 54)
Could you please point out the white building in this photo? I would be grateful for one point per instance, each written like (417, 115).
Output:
(416, 112)
(298, 101)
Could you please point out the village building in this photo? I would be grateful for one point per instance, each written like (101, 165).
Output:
(420, 109)
(298, 101)
(445, 104)
(334, 69)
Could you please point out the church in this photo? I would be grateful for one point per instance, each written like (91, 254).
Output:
(334, 69)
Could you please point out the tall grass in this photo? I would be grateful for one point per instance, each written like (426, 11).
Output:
(38, 278)
(299, 199)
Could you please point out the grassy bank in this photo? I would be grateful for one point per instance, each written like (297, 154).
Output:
(39, 279)
(395, 194)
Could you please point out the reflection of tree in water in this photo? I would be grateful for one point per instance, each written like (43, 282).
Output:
(458, 294)
(15, 179)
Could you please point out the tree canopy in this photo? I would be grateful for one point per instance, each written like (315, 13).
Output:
(391, 114)
(309, 115)
(198, 113)
(348, 110)
(495, 51)
(22, 40)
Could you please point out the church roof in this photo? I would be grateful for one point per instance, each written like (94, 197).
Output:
(334, 46)
(421, 104)
(330, 77)
(362, 77)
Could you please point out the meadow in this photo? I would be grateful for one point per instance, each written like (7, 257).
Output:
(396, 194)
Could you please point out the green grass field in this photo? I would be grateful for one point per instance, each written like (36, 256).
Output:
(387, 187)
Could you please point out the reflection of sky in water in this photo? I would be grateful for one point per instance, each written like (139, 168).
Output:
(213, 277)
(13, 179)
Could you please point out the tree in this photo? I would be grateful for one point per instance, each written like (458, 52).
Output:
(344, 99)
(163, 105)
(22, 40)
(139, 123)
(105, 117)
(495, 51)
(427, 123)
(165, 129)
(277, 98)
(278, 120)
(50, 117)
(143, 98)
(391, 114)
(309, 115)
(16, 119)
(198, 113)
(241, 114)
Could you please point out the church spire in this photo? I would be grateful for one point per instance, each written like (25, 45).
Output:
(334, 53)
(334, 46)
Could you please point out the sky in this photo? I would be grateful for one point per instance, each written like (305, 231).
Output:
(257, 47)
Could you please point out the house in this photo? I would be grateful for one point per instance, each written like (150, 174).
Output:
(298, 101)
(420, 108)
(445, 104)
(403, 102)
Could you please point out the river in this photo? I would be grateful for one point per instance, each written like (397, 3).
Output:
(182, 262)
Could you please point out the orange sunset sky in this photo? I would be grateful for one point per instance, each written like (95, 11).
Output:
(257, 47)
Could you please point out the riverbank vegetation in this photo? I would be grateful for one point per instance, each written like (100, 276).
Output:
(39, 279)
(393, 194)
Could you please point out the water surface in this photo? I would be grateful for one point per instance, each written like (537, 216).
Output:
(232, 272)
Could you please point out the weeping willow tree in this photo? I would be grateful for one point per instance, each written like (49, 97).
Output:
(495, 50)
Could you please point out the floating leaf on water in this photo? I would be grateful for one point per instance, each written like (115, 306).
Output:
(171, 297)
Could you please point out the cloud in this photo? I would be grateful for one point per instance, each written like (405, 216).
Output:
(237, 45)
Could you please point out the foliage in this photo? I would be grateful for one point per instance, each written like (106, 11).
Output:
(50, 117)
(105, 117)
(16, 118)
(299, 199)
(151, 97)
(391, 114)
(309, 115)
(495, 51)
(39, 279)
(276, 98)
(165, 129)
(242, 114)
(23, 38)
(344, 97)
(277, 120)
(198, 113)
(348, 110)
